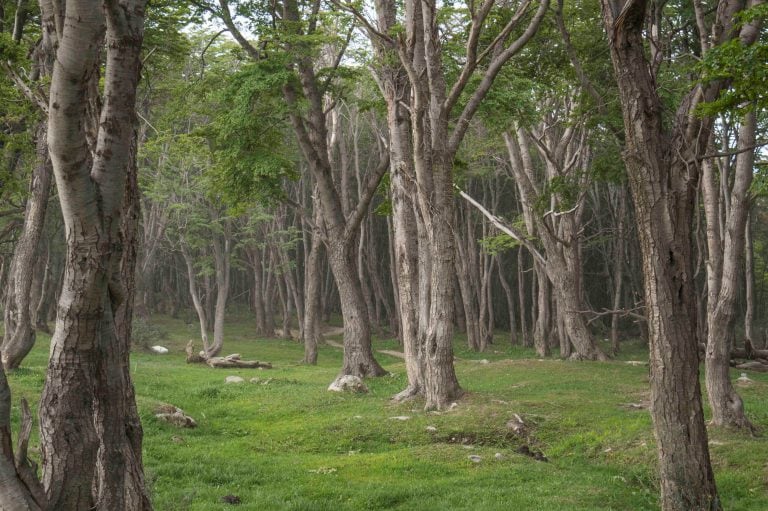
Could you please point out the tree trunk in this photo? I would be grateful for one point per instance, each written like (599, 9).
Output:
(312, 334)
(726, 250)
(541, 330)
(91, 188)
(527, 341)
(749, 282)
(221, 256)
(663, 184)
(513, 340)
(19, 335)
(618, 268)
(358, 355)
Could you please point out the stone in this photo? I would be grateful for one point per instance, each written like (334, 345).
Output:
(174, 416)
(348, 383)
(474, 458)
(233, 379)
(400, 418)
(431, 429)
(498, 456)
(160, 350)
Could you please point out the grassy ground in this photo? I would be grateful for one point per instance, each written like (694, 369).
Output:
(289, 444)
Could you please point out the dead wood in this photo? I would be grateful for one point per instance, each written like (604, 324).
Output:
(234, 360)
(229, 361)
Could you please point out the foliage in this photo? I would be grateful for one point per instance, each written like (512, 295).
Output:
(741, 67)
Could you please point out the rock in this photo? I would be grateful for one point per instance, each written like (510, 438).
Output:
(233, 379)
(431, 429)
(255, 380)
(636, 363)
(400, 418)
(743, 378)
(160, 350)
(453, 406)
(517, 425)
(177, 439)
(174, 416)
(484, 361)
(498, 456)
(474, 458)
(348, 383)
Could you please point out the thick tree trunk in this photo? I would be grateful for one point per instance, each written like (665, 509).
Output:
(358, 355)
(440, 383)
(19, 335)
(663, 187)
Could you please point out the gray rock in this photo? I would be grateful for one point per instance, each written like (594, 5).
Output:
(348, 383)
(474, 458)
(233, 379)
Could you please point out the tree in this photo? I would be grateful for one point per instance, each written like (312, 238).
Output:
(436, 135)
(662, 157)
(91, 151)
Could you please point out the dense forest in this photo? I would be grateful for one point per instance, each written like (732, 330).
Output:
(565, 176)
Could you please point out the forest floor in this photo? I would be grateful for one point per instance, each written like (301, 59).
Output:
(286, 443)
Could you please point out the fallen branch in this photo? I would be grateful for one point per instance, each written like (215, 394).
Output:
(234, 360)
(229, 361)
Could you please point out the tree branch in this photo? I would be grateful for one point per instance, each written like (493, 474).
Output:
(505, 228)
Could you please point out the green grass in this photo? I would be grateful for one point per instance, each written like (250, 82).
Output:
(292, 445)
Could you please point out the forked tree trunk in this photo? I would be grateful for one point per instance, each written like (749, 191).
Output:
(91, 191)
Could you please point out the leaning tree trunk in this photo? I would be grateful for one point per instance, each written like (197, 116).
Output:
(358, 354)
(19, 335)
(726, 250)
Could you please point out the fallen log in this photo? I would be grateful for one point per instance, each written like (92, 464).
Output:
(229, 361)
(234, 360)
(753, 365)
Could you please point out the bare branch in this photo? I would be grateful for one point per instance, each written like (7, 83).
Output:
(503, 227)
